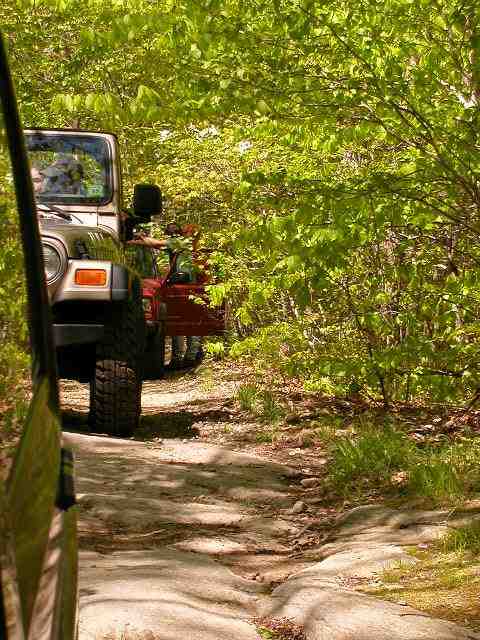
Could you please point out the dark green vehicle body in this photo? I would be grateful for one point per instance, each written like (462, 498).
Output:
(38, 555)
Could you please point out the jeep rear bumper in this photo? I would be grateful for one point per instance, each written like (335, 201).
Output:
(69, 334)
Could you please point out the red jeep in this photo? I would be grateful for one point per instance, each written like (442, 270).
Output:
(172, 304)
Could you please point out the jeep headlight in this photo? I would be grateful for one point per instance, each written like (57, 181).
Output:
(52, 261)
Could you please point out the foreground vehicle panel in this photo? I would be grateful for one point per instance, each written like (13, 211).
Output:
(38, 566)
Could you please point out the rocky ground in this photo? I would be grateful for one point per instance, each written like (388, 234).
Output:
(196, 530)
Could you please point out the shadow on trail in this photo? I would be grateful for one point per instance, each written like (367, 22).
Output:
(74, 420)
(177, 424)
(164, 424)
(172, 424)
(134, 497)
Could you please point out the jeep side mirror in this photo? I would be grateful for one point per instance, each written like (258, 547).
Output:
(147, 201)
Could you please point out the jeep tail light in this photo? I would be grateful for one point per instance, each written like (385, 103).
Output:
(91, 277)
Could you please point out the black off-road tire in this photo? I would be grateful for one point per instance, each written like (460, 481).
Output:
(154, 359)
(115, 396)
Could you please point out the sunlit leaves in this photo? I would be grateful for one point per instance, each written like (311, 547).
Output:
(341, 184)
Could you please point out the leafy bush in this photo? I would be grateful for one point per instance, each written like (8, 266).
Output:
(435, 478)
(375, 454)
(465, 538)
(14, 352)
(443, 473)
(247, 396)
(215, 349)
(260, 403)
(451, 471)
(270, 410)
(343, 234)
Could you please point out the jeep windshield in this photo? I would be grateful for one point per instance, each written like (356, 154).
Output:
(69, 168)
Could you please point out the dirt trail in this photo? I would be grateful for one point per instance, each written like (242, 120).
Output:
(207, 497)
(149, 503)
(187, 530)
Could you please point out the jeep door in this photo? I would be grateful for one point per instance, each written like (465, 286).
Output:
(142, 260)
(38, 570)
(188, 313)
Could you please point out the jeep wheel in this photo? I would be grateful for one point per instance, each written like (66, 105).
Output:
(154, 360)
(115, 398)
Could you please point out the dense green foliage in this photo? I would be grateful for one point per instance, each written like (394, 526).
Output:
(329, 150)
(388, 458)
(14, 359)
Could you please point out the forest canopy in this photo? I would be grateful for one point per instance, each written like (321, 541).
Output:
(329, 151)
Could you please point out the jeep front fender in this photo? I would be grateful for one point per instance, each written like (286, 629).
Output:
(115, 287)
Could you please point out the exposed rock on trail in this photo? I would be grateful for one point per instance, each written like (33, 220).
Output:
(172, 594)
(329, 612)
(189, 487)
(139, 503)
(364, 541)
(188, 539)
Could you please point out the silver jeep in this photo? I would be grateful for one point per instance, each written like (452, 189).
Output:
(95, 297)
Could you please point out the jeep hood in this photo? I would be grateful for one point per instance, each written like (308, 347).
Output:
(81, 241)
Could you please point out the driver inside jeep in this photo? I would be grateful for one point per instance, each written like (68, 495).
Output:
(38, 180)
(64, 176)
